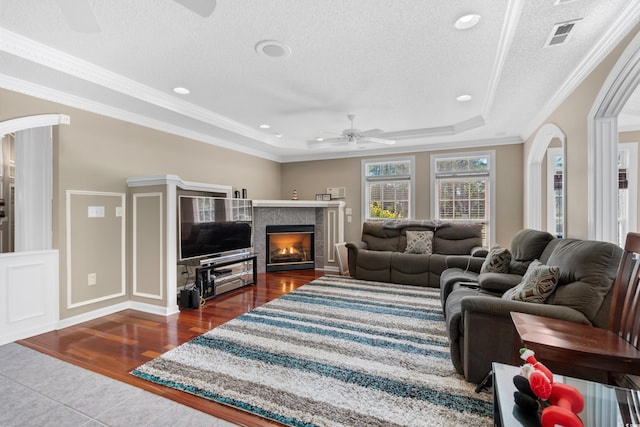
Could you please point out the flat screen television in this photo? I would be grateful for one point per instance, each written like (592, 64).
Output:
(213, 226)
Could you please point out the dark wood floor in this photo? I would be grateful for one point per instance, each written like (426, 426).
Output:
(114, 345)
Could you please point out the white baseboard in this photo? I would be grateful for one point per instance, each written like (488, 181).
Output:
(91, 315)
(153, 309)
(9, 337)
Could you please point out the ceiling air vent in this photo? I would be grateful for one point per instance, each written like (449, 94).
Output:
(561, 33)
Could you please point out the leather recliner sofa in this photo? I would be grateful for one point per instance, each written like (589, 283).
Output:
(479, 324)
(380, 255)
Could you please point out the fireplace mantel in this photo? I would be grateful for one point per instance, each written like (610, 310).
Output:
(327, 216)
(298, 204)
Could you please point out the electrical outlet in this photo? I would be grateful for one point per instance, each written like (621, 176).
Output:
(92, 279)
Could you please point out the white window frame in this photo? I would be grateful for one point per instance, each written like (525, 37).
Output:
(491, 154)
(365, 188)
(552, 153)
(630, 150)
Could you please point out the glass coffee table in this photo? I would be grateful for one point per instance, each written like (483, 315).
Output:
(604, 405)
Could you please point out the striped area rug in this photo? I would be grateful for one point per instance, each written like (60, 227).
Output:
(335, 352)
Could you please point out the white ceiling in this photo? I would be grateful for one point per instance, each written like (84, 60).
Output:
(397, 65)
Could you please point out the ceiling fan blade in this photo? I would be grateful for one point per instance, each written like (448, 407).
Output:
(378, 140)
(203, 8)
(371, 132)
(335, 133)
(79, 16)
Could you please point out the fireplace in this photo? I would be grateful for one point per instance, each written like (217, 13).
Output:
(290, 247)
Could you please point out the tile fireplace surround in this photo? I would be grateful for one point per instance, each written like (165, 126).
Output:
(327, 217)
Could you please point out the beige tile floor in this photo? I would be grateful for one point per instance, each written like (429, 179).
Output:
(39, 390)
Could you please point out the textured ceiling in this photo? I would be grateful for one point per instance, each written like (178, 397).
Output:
(398, 66)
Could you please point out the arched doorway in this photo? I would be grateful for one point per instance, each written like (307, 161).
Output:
(33, 178)
(34, 262)
(603, 143)
(539, 146)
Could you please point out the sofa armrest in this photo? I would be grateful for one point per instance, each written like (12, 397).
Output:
(489, 334)
(356, 245)
(480, 252)
(498, 283)
(352, 255)
(501, 307)
(465, 262)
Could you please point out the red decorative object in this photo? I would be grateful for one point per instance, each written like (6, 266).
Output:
(560, 402)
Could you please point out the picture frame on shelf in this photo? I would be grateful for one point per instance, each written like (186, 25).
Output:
(326, 197)
(318, 196)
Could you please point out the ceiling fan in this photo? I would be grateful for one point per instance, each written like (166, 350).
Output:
(352, 136)
(80, 17)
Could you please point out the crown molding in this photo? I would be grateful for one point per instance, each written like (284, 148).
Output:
(41, 54)
(512, 19)
(628, 19)
(53, 95)
(395, 150)
(453, 129)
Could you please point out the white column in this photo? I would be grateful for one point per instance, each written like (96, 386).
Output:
(33, 189)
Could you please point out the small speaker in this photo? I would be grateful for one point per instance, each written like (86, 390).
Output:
(185, 298)
(194, 299)
(189, 298)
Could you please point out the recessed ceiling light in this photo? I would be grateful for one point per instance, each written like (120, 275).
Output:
(278, 135)
(467, 21)
(264, 126)
(319, 139)
(273, 49)
(464, 98)
(181, 90)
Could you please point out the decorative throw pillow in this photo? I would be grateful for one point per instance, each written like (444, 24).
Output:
(537, 284)
(497, 261)
(419, 242)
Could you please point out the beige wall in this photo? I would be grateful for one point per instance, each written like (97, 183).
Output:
(572, 117)
(312, 177)
(98, 154)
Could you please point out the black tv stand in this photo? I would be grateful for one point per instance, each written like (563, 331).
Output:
(226, 274)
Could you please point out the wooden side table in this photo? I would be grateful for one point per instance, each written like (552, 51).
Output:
(570, 342)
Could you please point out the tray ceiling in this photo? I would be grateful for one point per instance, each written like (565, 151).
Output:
(398, 66)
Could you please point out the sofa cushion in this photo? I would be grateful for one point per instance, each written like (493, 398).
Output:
(537, 284)
(457, 239)
(379, 238)
(526, 246)
(419, 242)
(373, 265)
(497, 261)
(587, 271)
(410, 269)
